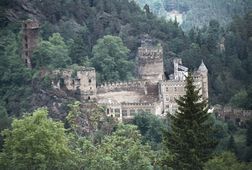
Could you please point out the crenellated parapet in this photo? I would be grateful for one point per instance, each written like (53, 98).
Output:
(134, 85)
(138, 104)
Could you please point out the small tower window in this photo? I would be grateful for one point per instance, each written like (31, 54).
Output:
(89, 80)
(88, 97)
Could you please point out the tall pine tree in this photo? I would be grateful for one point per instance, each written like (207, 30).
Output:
(190, 139)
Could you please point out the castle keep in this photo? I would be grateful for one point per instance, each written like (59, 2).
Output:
(152, 92)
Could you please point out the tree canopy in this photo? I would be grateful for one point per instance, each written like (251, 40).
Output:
(36, 142)
(110, 58)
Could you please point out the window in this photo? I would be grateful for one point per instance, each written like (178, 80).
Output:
(107, 111)
(88, 97)
(175, 88)
(167, 88)
(148, 110)
(124, 113)
(132, 112)
(89, 80)
(117, 115)
(117, 110)
(140, 111)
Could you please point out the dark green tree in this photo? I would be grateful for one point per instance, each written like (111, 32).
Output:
(231, 144)
(190, 139)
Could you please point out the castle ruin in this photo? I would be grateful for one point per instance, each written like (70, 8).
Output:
(152, 92)
(30, 35)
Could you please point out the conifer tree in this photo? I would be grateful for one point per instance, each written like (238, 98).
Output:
(190, 139)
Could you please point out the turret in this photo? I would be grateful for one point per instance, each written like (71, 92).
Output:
(203, 71)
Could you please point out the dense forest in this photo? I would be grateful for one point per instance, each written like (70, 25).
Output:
(75, 33)
(191, 14)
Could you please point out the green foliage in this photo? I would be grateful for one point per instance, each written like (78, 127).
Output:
(14, 77)
(110, 59)
(190, 139)
(226, 161)
(123, 150)
(151, 128)
(53, 53)
(4, 122)
(36, 142)
(89, 121)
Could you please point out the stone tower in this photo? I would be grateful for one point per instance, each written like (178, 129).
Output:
(203, 71)
(81, 80)
(29, 40)
(150, 65)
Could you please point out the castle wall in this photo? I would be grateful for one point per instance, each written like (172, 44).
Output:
(125, 111)
(236, 115)
(137, 86)
(171, 90)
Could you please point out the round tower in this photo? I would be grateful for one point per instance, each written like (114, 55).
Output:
(204, 73)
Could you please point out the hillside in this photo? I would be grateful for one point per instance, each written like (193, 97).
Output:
(73, 94)
(81, 23)
(191, 14)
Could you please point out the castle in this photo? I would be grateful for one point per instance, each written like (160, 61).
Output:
(153, 92)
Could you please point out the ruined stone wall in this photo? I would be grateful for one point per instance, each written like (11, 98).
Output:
(30, 32)
(82, 80)
(236, 115)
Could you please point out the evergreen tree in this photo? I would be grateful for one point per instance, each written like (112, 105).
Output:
(231, 144)
(190, 139)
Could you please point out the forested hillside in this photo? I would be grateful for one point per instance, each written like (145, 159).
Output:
(79, 24)
(105, 34)
(190, 13)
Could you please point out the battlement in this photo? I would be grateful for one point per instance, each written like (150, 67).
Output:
(138, 104)
(150, 52)
(121, 86)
